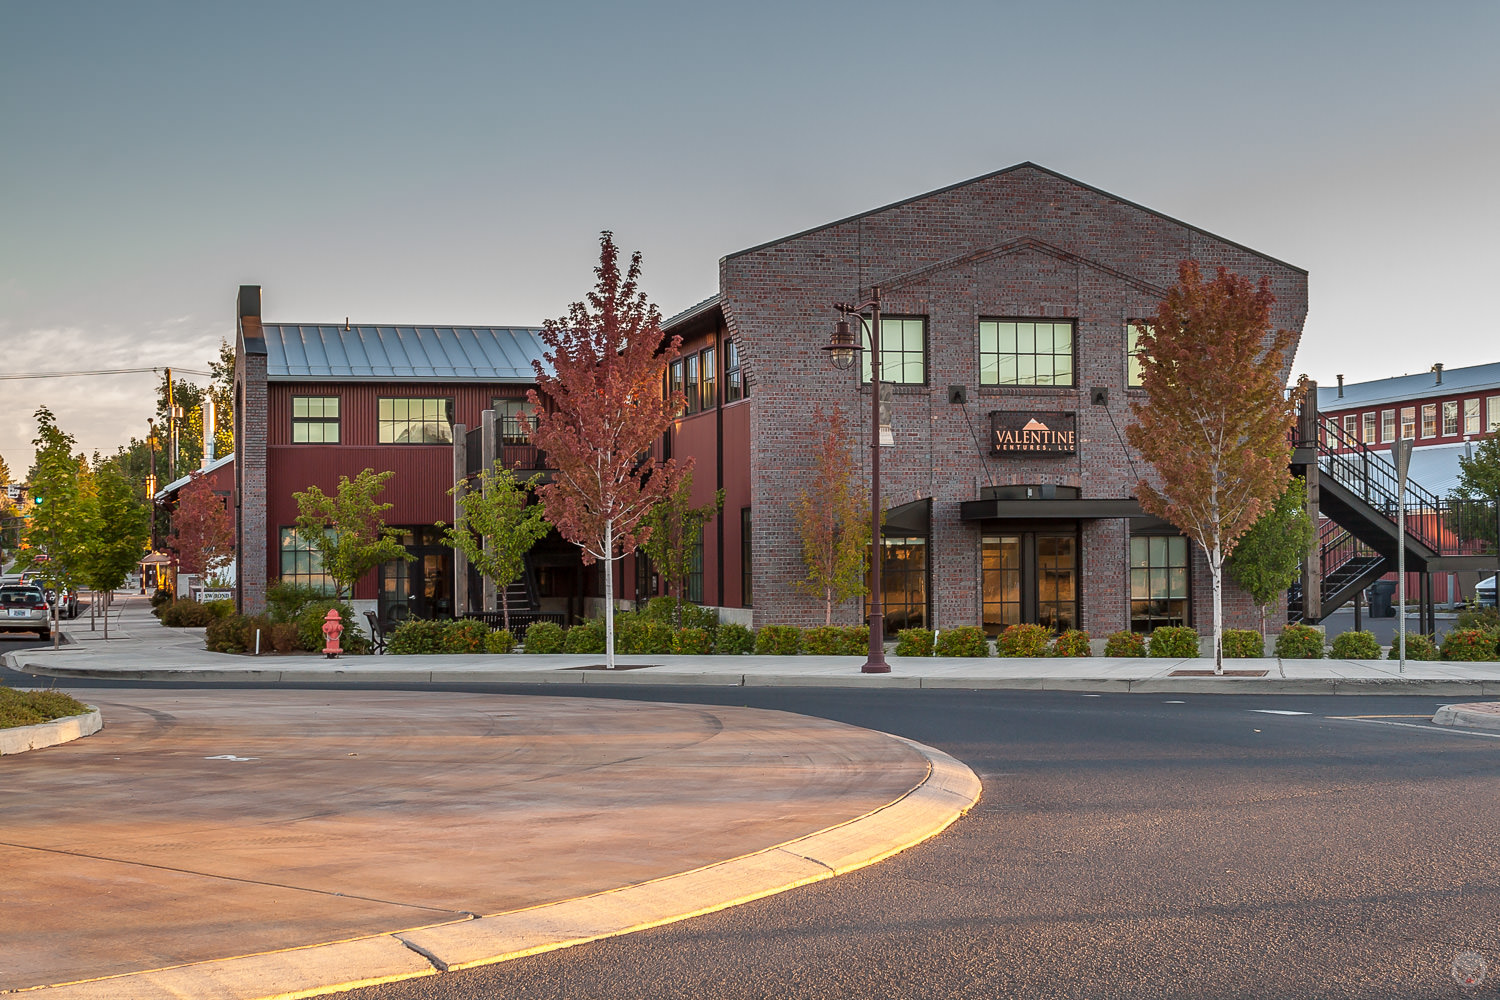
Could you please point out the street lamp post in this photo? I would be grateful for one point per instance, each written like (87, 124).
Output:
(842, 348)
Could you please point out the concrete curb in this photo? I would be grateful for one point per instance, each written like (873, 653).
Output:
(1475, 715)
(19, 739)
(948, 790)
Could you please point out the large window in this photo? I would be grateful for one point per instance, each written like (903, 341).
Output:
(315, 420)
(709, 384)
(1158, 581)
(690, 386)
(1471, 417)
(694, 582)
(903, 350)
(734, 379)
(1351, 426)
(1029, 576)
(508, 413)
(1369, 436)
(415, 421)
(674, 378)
(903, 579)
(1025, 352)
(1492, 414)
(1450, 418)
(1000, 577)
(1429, 420)
(301, 563)
(1408, 422)
(1387, 426)
(1132, 357)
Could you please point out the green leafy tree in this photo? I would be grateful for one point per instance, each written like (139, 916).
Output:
(9, 513)
(833, 522)
(675, 540)
(347, 530)
(1268, 558)
(1216, 420)
(496, 527)
(1479, 480)
(118, 526)
(55, 537)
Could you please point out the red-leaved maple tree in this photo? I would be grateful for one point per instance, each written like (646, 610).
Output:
(203, 532)
(1216, 420)
(833, 521)
(597, 410)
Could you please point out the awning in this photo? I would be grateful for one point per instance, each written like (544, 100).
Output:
(1082, 510)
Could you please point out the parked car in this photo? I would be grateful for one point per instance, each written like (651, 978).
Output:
(69, 606)
(25, 609)
(1484, 592)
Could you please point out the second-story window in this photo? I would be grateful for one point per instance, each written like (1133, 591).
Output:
(415, 421)
(1025, 352)
(1408, 423)
(1132, 357)
(1369, 435)
(1351, 426)
(903, 350)
(508, 412)
(1429, 420)
(1471, 417)
(315, 420)
(674, 378)
(690, 385)
(1387, 426)
(734, 386)
(1450, 418)
(710, 379)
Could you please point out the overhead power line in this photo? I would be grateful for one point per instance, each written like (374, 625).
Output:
(102, 371)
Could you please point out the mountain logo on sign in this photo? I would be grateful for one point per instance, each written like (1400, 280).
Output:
(1035, 425)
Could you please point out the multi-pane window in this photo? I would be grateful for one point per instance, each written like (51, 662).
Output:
(1429, 420)
(508, 411)
(1132, 357)
(1471, 417)
(1408, 422)
(690, 385)
(903, 350)
(415, 421)
(746, 592)
(694, 591)
(1000, 579)
(1158, 581)
(710, 379)
(1387, 426)
(674, 378)
(1369, 435)
(1351, 425)
(1492, 414)
(1450, 418)
(315, 420)
(734, 383)
(1025, 352)
(301, 563)
(903, 582)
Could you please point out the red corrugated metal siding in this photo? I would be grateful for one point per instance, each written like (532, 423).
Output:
(358, 403)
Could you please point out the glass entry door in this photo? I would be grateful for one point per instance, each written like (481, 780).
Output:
(422, 588)
(1029, 577)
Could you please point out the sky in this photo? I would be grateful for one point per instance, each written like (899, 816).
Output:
(453, 163)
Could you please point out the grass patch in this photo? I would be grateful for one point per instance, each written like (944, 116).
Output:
(27, 708)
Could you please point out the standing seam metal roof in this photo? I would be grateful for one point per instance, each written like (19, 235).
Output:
(297, 351)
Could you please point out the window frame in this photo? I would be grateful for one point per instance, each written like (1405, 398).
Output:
(505, 418)
(382, 422)
(1450, 409)
(1473, 421)
(322, 421)
(734, 376)
(1388, 426)
(1157, 621)
(1408, 423)
(1367, 436)
(314, 575)
(1132, 359)
(708, 379)
(1351, 426)
(1429, 420)
(1491, 415)
(886, 352)
(997, 354)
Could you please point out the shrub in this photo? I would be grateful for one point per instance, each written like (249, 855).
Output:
(1022, 640)
(283, 637)
(1470, 644)
(1486, 618)
(733, 639)
(914, 642)
(465, 636)
(1418, 647)
(1177, 641)
(856, 640)
(310, 627)
(1125, 644)
(250, 625)
(285, 599)
(1356, 646)
(1073, 642)
(693, 641)
(499, 641)
(161, 596)
(966, 640)
(636, 634)
(664, 609)
(225, 635)
(544, 637)
(186, 614)
(28, 708)
(825, 640)
(1243, 643)
(585, 637)
(1300, 642)
(220, 609)
(779, 640)
(416, 636)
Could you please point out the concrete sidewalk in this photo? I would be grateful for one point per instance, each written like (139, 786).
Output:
(147, 651)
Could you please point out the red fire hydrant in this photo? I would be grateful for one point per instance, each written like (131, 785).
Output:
(333, 627)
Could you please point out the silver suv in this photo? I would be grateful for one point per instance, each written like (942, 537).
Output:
(25, 609)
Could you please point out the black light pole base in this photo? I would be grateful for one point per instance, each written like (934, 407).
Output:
(876, 663)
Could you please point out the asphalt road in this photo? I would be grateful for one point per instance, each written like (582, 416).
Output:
(1126, 846)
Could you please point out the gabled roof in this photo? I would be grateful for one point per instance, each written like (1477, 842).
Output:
(1424, 385)
(1027, 165)
(297, 352)
(177, 484)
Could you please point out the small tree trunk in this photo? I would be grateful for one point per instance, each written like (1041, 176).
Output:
(609, 594)
(505, 607)
(1216, 567)
(107, 596)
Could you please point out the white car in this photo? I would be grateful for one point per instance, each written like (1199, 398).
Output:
(25, 609)
(1484, 592)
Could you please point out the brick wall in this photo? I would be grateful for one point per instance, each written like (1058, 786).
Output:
(1021, 243)
(250, 473)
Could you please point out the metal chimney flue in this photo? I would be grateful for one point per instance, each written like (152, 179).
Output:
(1341, 387)
(1438, 370)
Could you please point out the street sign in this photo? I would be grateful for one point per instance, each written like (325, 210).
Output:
(1401, 455)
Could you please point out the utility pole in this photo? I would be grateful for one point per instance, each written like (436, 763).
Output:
(171, 428)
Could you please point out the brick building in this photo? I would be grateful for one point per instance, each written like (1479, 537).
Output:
(1008, 301)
